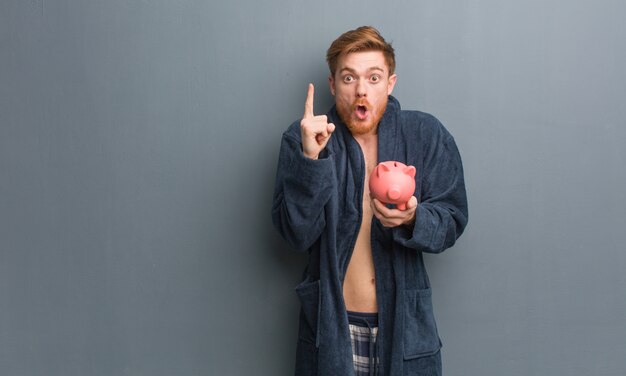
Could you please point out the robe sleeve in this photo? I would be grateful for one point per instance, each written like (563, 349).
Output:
(302, 189)
(442, 212)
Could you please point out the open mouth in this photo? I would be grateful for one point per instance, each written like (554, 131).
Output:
(361, 112)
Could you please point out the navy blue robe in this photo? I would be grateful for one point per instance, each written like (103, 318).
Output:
(317, 208)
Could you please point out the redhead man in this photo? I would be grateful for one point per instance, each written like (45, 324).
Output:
(365, 296)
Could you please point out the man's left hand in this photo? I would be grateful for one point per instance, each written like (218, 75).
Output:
(394, 217)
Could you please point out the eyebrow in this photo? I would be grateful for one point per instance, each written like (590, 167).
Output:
(374, 68)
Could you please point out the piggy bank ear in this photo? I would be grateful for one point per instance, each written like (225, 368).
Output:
(409, 170)
(381, 169)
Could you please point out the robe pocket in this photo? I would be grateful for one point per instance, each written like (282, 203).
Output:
(420, 330)
(308, 292)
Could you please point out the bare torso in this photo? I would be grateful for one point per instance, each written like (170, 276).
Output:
(359, 287)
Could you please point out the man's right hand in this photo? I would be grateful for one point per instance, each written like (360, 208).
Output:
(316, 130)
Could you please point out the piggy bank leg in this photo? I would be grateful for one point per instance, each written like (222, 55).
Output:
(401, 206)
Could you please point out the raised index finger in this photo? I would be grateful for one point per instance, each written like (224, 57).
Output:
(308, 104)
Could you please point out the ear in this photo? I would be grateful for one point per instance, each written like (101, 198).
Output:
(381, 169)
(331, 83)
(409, 170)
(392, 83)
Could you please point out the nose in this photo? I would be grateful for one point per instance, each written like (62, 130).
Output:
(361, 89)
(394, 193)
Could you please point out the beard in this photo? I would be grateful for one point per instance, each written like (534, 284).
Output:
(361, 117)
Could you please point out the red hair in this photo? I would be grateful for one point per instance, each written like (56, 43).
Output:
(364, 38)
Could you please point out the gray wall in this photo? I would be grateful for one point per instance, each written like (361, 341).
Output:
(138, 142)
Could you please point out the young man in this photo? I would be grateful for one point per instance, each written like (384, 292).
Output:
(366, 298)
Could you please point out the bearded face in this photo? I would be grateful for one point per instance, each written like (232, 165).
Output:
(361, 86)
(361, 117)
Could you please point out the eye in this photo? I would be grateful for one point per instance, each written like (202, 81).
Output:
(348, 79)
(375, 78)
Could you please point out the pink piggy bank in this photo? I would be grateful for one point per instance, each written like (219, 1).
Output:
(393, 183)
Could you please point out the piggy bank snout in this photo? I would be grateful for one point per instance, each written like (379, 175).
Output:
(394, 193)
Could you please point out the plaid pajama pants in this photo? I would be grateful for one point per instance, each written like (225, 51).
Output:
(363, 331)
